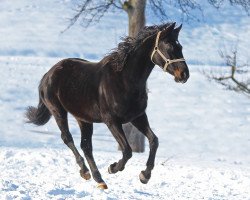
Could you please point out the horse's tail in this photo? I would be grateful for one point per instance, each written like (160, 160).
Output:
(38, 116)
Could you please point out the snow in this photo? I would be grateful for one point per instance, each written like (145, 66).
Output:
(203, 129)
(52, 174)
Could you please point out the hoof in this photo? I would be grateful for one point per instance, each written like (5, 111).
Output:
(111, 169)
(102, 186)
(86, 175)
(143, 179)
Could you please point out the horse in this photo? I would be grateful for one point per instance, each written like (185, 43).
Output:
(111, 91)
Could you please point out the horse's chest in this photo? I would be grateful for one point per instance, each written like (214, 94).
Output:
(130, 105)
(121, 102)
(138, 101)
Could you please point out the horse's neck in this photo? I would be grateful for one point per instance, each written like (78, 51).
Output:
(139, 66)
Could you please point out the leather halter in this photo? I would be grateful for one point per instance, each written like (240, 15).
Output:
(167, 61)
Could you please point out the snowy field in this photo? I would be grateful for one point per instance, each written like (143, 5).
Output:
(204, 130)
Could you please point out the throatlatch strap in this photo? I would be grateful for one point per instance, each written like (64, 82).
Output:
(156, 46)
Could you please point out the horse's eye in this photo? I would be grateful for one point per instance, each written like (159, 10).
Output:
(178, 44)
(169, 48)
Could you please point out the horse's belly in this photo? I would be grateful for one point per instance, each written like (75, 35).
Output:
(83, 110)
(88, 115)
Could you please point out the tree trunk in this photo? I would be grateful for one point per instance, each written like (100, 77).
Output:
(136, 16)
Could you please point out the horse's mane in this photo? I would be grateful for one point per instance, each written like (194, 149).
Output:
(118, 57)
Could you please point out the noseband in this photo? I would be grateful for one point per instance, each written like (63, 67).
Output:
(167, 61)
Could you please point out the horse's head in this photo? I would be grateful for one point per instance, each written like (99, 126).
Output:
(167, 53)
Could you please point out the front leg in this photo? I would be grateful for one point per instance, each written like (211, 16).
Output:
(141, 123)
(117, 131)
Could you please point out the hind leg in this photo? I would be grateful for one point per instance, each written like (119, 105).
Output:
(86, 145)
(60, 116)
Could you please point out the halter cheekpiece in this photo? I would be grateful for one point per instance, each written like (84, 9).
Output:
(167, 61)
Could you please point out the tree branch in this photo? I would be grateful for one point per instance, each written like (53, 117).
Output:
(230, 81)
(158, 8)
(186, 7)
(245, 4)
(90, 12)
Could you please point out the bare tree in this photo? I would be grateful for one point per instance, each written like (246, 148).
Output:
(91, 11)
(245, 4)
(236, 78)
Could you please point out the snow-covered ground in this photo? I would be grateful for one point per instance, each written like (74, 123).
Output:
(49, 173)
(203, 129)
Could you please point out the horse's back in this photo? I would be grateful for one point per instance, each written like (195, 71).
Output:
(70, 70)
(73, 83)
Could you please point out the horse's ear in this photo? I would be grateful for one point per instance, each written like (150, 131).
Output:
(176, 32)
(167, 31)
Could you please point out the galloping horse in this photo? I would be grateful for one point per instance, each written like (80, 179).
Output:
(112, 91)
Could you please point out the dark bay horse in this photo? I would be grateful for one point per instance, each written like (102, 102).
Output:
(112, 91)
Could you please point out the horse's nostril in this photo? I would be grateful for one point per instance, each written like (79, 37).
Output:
(183, 75)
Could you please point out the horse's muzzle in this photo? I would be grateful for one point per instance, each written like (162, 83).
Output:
(181, 76)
